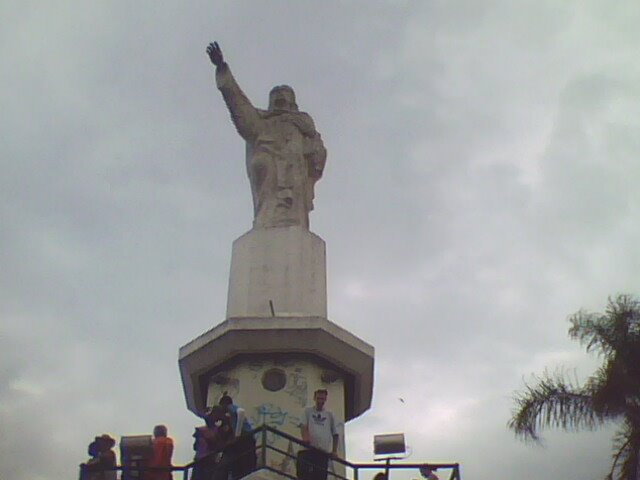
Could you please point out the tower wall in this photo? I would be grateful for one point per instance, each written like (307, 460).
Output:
(275, 393)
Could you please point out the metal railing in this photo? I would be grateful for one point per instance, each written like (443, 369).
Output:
(263, 446)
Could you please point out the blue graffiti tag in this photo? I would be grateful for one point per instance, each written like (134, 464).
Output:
(270, 414)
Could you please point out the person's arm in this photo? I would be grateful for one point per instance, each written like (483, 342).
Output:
(335, 436)
(243, 114)
(305, 434)
(304, 427)
(240, 417)
(169, 451)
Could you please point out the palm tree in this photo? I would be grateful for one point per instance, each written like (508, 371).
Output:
(611, 394)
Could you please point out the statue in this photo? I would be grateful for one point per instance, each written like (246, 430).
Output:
(285, 155)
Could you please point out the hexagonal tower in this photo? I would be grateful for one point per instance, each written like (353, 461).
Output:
(276, 346)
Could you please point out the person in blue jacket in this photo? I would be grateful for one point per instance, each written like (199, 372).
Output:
(240, 455)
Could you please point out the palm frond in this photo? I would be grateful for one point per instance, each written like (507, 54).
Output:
(607, 389)
(626, 444)
(590, 329)
(552, 401)
(611, 393)
(621, 443)
(611, 332)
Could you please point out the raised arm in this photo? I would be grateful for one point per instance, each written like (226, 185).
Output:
(244, 115)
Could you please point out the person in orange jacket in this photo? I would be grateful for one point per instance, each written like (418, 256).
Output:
(162, 452)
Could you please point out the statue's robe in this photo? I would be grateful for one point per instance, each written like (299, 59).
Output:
(284, 153)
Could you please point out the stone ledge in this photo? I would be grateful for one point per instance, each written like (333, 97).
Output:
(313, 336)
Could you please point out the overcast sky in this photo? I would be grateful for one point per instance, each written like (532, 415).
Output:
(481, 185)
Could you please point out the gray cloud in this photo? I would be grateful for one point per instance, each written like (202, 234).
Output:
(480, 187)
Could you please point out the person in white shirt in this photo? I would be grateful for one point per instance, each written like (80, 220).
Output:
(320, 431)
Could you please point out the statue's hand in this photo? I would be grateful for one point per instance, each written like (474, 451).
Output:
(215, 54)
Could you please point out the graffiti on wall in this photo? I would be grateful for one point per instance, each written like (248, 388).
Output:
(276, 417)
(272, 415)
(297, 386)
(280, 418)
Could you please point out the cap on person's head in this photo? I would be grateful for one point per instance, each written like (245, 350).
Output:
(160, 431)
(225, 400)
(105, 439)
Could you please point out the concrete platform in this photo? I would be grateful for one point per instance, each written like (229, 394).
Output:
(315, 337)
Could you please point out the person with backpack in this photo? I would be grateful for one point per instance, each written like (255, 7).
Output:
(210, 440)
(241, 452)
(102, 464)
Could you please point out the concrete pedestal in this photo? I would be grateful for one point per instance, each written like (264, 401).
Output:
(285, 265)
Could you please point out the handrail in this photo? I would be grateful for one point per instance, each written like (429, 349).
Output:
(375, 466)
(263, 446)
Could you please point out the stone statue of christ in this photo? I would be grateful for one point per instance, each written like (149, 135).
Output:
(285, 154)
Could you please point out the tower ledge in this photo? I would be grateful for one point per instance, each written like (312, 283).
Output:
(310, 336)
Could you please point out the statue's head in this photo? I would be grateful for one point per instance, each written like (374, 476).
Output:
(282, 97)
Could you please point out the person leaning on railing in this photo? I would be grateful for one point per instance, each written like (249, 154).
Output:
(242, 450)
(162, 452)
(103, 459)
(319, 430)
(209, 442)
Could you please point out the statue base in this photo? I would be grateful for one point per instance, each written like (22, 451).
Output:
(285, 266)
